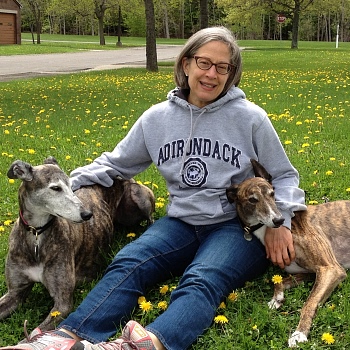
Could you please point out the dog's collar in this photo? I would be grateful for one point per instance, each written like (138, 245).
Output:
(36, 230)
(249, 230)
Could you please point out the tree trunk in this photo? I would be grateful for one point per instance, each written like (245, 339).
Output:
(295, 25)
(204, 17)
(151, 47)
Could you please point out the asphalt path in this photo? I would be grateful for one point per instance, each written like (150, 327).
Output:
(26, 66)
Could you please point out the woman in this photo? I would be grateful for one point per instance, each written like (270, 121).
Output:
(201, 139)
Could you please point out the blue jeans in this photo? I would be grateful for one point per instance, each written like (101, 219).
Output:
(213, 260)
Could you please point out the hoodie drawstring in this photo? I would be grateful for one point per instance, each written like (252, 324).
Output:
(189, 138)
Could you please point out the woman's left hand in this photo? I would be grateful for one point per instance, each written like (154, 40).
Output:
(279, 246)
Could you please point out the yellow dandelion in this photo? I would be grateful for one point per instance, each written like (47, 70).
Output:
(55, 313)
(233, 296)
(162, 305)
(329, 172)
(221, 319)
(288, 142)
(159, 205)
(348, 189)
(164, 289)
(131, 235)
(11, 181)
(141, 299)
(328, 338)
(277, 279)
(31, 151)
(87, 131)
(255, 328)
(331, 307)
(313, 202)
(222, 305)
(6, 132)
(68, 157)
(2, 229)
(7, 222)
(298, 123)
(146, 306)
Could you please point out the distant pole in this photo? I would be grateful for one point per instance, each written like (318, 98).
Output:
(119, 43)
(337, 37)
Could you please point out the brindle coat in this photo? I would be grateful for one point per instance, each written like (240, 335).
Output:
(74, 246)
(321, 241)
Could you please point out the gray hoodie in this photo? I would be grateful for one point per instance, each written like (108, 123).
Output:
(200, 152)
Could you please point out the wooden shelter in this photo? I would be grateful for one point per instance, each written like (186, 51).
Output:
(10, 22)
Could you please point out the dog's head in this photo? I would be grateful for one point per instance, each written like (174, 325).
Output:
(255, 199)
(46, 189)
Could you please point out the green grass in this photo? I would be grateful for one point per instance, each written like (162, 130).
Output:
(75, 117)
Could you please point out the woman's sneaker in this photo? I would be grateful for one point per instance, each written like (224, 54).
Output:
(39, 340)
(134, 337)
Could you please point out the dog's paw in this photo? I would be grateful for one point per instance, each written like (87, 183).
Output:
(276, 301)
(297, 337)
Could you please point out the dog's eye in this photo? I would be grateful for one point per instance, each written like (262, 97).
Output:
(56, 188)
(253, 200)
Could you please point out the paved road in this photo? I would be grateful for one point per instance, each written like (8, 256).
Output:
(23, 66)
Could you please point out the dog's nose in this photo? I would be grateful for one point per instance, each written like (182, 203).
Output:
(278, 221)
(86, 215)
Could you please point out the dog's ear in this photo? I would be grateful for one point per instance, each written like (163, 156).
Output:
(260, 171)
(51, 160)
(231, 193)
(20, 170)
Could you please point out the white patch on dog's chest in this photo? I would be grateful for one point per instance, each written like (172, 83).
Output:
(260, 233)
(35, 273)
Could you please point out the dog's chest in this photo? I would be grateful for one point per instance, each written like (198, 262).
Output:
(35, 273)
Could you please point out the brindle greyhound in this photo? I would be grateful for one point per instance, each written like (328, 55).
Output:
(321, 240)
(59, 241)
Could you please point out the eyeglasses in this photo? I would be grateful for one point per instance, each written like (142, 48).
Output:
(205, 64)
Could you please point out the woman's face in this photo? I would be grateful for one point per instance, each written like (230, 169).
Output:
(206, 85)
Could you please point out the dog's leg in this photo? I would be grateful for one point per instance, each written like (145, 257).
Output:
(288, 283)
(11, 300)
(327, 278)
(60, 282)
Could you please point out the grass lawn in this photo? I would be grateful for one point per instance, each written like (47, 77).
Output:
(75, 117)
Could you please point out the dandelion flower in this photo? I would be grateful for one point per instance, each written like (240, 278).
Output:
(277, 279)
(131, 235)
(329, 172)
(233, 296)
(146, 306)
(141, 299)
(222, 306)
(68, 157)
(288, 142)
(162, 305)
(55, 313)
(164, 289)
(255, 328)
(221, 319)
(2, 229)
(7, 222)
(11, 181)
(328, 338)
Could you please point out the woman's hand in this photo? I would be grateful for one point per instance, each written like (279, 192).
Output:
(279, 246)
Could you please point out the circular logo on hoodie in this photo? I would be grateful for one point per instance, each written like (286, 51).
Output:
(195, 172)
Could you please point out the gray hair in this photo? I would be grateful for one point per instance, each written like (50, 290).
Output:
(201, 38)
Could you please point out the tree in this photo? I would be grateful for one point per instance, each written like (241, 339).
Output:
(291, 9)
(38, 8)
(151, 47)
(204, 15)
